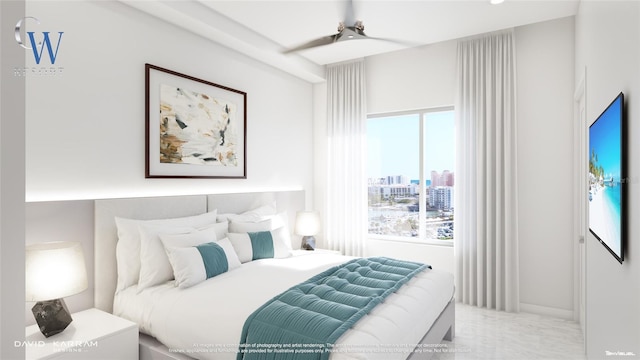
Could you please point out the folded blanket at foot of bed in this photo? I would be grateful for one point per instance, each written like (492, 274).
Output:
(306, 320)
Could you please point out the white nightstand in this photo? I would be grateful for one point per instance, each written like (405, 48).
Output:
(92, 335)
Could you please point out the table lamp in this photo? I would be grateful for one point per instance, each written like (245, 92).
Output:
(307, 225)
(53, 270)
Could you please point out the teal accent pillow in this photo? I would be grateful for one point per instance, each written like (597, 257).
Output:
(262, 245)
(214, 259)
(195, 264)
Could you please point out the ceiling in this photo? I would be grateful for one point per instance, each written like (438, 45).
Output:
(264, 29)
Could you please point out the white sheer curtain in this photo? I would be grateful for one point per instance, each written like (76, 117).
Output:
(346, 202)
(486, 199)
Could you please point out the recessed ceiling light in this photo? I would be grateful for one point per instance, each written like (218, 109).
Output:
(496, 2)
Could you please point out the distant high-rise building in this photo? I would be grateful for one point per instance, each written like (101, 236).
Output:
(392, 186)
(397, 180)
(388, 191)
(441, 197)
(444, 179)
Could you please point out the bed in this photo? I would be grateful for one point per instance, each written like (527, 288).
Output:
(205, 321)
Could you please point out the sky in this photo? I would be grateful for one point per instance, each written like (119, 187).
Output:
(395, 141)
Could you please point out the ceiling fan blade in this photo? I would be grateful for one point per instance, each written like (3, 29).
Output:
(350, 29)
(326, 40)
(395, 41)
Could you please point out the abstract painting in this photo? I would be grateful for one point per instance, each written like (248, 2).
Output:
(195, 128)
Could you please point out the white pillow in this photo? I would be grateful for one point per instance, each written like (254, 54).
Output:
(260, 245)
(195, 264)
(251, 226)
(221, 229)
(254, 215)
(155, 268)
(128, 246)
(266, 224)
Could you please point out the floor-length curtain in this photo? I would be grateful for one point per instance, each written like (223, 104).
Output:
(346, 202)
(486, 231)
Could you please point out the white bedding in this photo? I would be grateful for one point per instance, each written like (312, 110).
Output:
(205, 321)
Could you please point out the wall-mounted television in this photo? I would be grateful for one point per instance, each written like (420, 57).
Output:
(607, 178)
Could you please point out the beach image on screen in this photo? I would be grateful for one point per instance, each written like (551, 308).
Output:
(605, 174)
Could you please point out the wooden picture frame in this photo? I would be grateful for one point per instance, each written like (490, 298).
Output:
(194, 128)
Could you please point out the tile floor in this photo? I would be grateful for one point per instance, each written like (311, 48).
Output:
(488, 334)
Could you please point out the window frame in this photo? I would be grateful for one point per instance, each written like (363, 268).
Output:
(421, 238)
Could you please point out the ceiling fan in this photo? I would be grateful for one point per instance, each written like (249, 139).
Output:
(345, 32)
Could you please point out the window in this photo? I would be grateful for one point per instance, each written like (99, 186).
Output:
(410, 165)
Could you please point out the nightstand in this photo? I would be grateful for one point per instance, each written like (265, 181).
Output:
(93, 335)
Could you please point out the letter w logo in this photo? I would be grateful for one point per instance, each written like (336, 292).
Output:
(46, 42)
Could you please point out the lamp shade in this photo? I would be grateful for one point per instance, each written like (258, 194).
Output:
(307, 223)
(54, 270)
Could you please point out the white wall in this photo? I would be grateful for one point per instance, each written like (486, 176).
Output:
(85, 129)
(425, 77)
(608, 45)
(419, 78)
(545, 81)
(12, 109)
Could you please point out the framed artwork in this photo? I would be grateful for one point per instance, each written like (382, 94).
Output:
(194, 128)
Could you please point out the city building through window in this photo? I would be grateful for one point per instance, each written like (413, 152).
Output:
(410, 170)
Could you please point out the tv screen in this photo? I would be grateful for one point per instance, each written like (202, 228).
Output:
(607, 175)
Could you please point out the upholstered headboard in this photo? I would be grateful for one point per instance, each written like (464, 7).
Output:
(169, 207)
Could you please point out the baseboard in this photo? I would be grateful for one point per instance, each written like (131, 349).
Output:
(547, 311)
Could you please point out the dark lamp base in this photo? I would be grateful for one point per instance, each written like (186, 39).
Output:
(52, 316)
(308, 243)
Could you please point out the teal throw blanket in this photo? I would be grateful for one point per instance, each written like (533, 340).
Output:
(306, 320)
